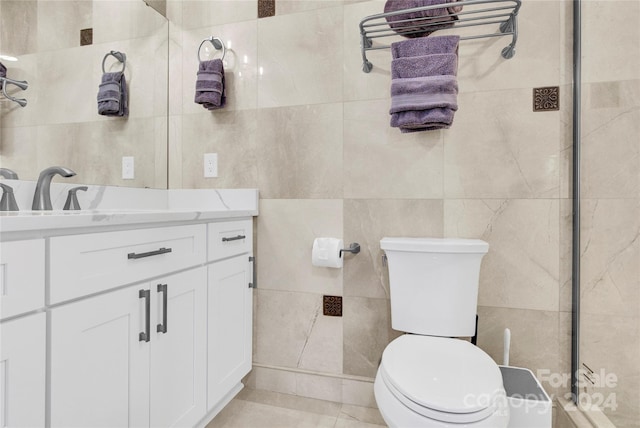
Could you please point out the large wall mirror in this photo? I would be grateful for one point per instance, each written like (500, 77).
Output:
(58, 48)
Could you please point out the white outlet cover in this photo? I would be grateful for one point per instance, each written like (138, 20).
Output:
(210, 165)
(128, 171)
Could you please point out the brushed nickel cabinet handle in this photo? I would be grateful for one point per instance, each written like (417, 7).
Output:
(144, 336)
(157, 252)
(254, 279)
(162, 328)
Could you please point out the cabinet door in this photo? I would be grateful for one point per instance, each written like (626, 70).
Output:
(229, 326)
(21, 277)
(178, 350)
(99, 365)
(22, 371)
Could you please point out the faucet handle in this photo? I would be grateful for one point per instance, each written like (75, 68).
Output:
(8, 201)
(72, 198)
(8, 174)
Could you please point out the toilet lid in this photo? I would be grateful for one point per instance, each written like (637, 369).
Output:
(442, 378)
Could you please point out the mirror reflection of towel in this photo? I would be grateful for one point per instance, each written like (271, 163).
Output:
(112, 95)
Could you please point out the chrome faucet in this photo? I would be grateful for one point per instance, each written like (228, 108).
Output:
(42, 196)
(8, 174)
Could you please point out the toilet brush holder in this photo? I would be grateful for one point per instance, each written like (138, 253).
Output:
(529, 404)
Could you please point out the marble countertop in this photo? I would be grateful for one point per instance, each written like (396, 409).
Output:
(119, 207)
(57, 220)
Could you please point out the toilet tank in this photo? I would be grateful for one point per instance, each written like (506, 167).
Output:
(433, 284)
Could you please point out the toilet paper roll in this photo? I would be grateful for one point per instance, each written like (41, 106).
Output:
(326, 252)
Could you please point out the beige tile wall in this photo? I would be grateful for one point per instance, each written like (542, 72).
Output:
(310, 130)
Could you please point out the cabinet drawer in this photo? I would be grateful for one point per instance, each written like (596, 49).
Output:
(86, 264)
(229, 238)
(21, 277)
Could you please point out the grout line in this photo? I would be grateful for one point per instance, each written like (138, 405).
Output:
(310, 372)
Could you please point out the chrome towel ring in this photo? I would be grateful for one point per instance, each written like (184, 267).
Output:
(216, 42)
(120, 56)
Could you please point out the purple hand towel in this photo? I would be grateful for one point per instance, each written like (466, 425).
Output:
(210, 91)
(3, 70)
(425, 46)
(426, 65)
(421, 23)
(112, 95)
(423, 93)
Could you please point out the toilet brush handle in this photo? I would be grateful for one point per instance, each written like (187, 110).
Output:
(507, 347)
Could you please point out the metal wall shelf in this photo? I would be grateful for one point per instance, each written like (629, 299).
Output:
(501, 14)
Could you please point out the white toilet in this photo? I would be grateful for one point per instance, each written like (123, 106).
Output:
(430, 378)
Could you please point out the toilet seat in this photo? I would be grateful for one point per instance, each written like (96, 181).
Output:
(448, 380)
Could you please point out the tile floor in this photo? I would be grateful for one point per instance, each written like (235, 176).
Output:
(253, 408)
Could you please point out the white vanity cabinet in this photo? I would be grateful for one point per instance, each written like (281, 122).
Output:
(146, 325)
(22, 333)
(135, 356)
(131, 357)
(230, 303)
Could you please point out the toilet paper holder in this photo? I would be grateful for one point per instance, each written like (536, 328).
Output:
(354, 248)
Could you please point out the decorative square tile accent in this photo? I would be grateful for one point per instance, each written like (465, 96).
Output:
(266, 8)
(546, 99)
(86, 36)
(332, 306)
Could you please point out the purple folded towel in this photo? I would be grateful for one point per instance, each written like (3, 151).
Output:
(424, 88)
(423, 120)
(423, 93)
(421, 23)
(425, 46)
(426, 65)
(3, 70)
(423, 103)
(112, 95)
(210, 91)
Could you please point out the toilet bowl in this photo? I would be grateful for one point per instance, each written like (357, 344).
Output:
(429, 377)
(426, 381)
